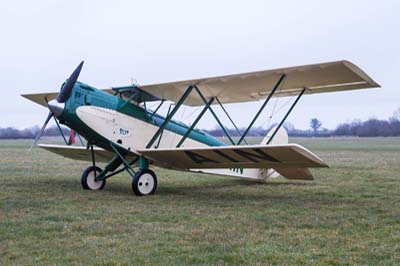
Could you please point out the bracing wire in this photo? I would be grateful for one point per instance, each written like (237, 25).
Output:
(195, 109)
(274, 107)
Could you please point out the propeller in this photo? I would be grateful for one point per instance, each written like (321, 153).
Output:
(56, 106)
(49, 116)
(69, 85)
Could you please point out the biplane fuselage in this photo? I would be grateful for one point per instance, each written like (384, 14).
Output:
(103, 118)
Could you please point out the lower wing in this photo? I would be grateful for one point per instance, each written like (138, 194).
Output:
(290, 160)
(81, 153)
(254, 156)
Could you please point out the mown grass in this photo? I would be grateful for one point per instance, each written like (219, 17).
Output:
(349, 216)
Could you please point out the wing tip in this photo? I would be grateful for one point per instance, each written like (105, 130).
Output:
(356, 69)
(26, 96)
(315, 158)
(39, 98)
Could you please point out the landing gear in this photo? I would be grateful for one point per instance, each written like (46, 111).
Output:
(144, 182)
(88, 179)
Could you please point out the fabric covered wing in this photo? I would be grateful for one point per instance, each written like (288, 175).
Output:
(39, 98)
(253, 86)
(317, 78)
(81, 153)
(257, 156)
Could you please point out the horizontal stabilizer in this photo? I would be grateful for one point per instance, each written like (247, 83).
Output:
(295, 173)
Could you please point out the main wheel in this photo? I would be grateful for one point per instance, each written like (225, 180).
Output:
(144, 183)
(87, 179)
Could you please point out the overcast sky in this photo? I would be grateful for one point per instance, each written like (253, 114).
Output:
(158, 41)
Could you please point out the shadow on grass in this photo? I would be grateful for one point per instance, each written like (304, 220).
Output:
(73, 184)
(206, 192)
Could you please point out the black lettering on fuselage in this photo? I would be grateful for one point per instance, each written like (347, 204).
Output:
(237, 170)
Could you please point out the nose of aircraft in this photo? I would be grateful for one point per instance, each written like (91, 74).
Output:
(56, 107)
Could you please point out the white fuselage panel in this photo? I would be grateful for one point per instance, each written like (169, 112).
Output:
(129, 132)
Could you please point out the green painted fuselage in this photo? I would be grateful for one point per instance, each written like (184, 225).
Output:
(85, 95)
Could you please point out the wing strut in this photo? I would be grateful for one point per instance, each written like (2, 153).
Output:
(175, 109)
(207, 105)
(169, 117)
(159, 139)
(158, 107)
(262, 108)
(287, 114)
(229, 117)
(215, 116)
(195, 122)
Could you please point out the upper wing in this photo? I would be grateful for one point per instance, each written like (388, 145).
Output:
(39, 98)
(317, 78)
(254, 156)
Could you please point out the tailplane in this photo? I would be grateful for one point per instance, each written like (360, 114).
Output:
(281, 137)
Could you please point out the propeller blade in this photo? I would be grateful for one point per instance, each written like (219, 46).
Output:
(50, 115)
(69, 84)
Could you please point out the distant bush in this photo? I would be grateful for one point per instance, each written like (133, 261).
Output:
(370, 128)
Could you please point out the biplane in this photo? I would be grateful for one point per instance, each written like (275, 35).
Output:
(127, 136)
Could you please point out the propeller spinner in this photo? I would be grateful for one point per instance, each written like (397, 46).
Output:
(56, 106)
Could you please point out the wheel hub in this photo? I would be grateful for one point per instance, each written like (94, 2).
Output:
(92, 183)
(146, 183)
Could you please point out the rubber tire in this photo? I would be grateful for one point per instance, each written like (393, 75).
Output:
(85, 175)
(135, 182)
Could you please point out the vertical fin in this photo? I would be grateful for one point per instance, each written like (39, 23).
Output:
(281, 137)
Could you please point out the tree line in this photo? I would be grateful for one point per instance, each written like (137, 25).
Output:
(372, 127)
(30, 133)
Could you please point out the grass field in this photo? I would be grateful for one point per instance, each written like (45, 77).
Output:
(349, 216)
